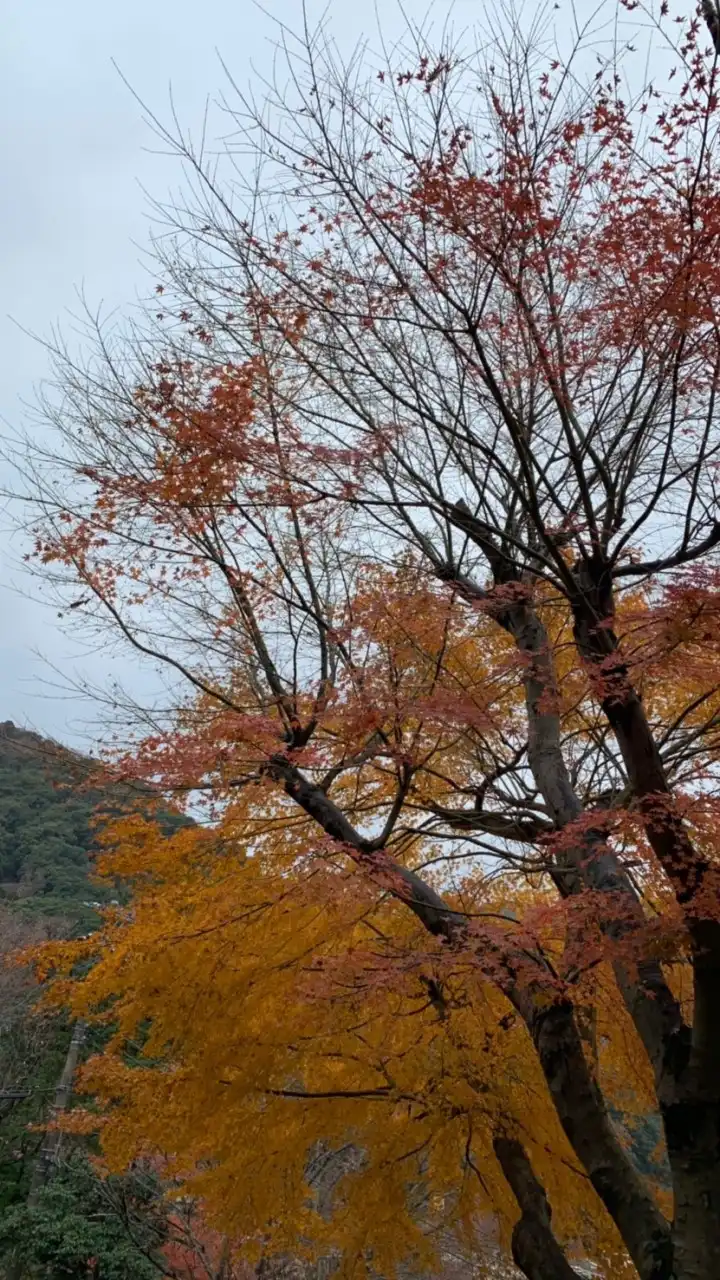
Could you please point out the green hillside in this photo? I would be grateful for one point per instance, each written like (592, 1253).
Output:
(45, 829)
(47, 806)
(47, 889)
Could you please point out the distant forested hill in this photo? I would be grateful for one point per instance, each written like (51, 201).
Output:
(46, 829)
(47, 808)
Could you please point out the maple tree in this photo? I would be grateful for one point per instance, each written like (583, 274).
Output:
(409, 482)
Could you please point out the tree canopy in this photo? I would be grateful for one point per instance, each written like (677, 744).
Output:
(409, 480)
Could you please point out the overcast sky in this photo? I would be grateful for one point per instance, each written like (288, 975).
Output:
(75, 156)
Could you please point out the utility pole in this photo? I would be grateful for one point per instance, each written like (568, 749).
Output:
(50, 1149)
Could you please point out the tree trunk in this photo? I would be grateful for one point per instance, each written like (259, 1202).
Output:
(693, 1134)
(584, 1118)
(689, 1085)
(534, 1247)
(591, 864)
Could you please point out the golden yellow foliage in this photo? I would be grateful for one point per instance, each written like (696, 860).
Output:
(256, 1014)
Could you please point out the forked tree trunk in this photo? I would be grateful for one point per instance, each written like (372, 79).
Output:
(535, 1250)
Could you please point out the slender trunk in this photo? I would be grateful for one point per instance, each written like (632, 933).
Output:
(592, 864)
(534, 1247)
(50, 1148)
(225, 1261)
(691, 1116)
(582, 1112)
(689, 1089)
(693, 1130)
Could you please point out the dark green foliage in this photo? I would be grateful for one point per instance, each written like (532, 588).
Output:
(48, 815)
(81, 1225)
(43, 1046)
(46, 831)
(48, 811)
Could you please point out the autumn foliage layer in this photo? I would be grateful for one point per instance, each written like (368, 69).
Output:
(408, 481)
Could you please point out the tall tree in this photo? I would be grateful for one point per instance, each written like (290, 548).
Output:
(412, 481)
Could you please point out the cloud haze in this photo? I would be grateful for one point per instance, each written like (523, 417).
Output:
(75, 156)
